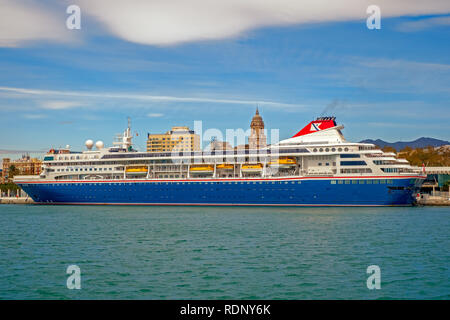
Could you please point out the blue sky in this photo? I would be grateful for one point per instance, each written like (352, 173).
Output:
(392, 83)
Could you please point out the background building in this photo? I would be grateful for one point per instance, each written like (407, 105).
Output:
(23, 166)
(177, 139)
(257, 137)
(220, 145)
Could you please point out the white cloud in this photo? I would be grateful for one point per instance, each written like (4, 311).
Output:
(422, 24)
(163, 22)
(404, 64)
(24, 92)
(60, 105)
(390, 75)
(168, 22)
(154, 115)
(34, 116)
(22, 21)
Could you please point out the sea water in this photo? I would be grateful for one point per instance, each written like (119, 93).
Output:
(140, 252)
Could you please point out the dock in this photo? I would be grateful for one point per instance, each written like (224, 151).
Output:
(435, 199)
(16, 200)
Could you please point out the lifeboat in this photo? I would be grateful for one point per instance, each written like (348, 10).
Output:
(201, 169)
(140, 170)
(284, 162)
(252, 168)
(225, 166)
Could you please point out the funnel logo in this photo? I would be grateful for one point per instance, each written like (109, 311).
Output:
(315, 126)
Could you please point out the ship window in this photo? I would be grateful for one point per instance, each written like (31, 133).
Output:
(327, 149)
(375, 181)
(346, 149)
(361, 182)
(320, 163)
(340, 182)
(382, 181)
(347, 181)
(353, 163)
(327, 164)
(350, 155)
(340, 149)
(333, 181)
(333, 149)
(354, 181)
(321, 150)
(369, 181)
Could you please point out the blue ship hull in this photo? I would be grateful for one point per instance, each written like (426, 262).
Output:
(330, 191)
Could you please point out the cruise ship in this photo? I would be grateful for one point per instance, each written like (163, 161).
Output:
(315, 167)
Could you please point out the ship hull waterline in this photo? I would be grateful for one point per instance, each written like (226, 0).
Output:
(317, 191)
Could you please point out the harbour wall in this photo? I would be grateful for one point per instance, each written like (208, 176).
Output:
(16, 200)
(437, 198)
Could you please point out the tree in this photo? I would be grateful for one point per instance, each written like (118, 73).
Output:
(12, 171)
(428, 156)
(9, 186)
(446, 186)
(406, 150)
(389, 149)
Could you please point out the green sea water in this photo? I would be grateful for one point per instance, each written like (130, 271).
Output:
(223, 252)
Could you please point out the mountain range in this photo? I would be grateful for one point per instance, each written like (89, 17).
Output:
(399, 145)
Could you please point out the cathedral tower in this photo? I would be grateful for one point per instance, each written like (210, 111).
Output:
(257, 137)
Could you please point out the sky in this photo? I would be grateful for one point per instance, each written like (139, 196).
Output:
(172, 62)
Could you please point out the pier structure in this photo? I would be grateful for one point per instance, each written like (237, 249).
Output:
(437, 177)
(432, 191)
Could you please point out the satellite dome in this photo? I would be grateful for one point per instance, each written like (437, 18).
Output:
(89, 144)
(99, 144)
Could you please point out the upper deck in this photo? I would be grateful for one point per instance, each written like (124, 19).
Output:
(319, 149)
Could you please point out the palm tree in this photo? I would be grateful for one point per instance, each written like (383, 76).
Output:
(12, 171)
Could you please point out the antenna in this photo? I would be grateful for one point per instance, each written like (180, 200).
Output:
(129, 122)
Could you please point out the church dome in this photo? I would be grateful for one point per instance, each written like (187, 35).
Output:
(257, 121)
